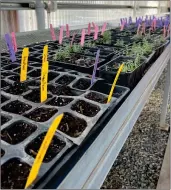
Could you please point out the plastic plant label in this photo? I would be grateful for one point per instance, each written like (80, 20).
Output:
(96, 32)
(24, 64)
(114, 83)
(168, 30)
(89, 28)
(82, 37)
(95, 67)
(104, 28)
(67, 31)
(44, 79)
(94, 26)
(14, 42)
(42, 151)
(61, 34)
(122, 26)
(45, 53)
(138, 29)
(73, 36)
(52, 32)
(10, 47)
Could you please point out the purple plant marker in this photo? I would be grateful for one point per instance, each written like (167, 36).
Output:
(10, 47)
(95, 67)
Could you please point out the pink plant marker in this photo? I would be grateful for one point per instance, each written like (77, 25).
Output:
(67, 31)
(94, 26)
(52, 32)
(168, 30)
(89, 29)
(154, 23)
(138, 29)
(14, 42)
(72, 39)
(82, 37)
(96, 33)
(164, 31)
(122, 26)
(61, 34)
(104, 28)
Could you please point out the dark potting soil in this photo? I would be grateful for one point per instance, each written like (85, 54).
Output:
(17, 132)
(4, 119)
(17, 88)
(15, 78)
(35, 73)
(11, 66)
(71, 125)
(55, 147)
(18, 70)
(3, 99)
(52, 75)
(63, 90)
(34, 96)
(97, 97)
(82, 84)
(33, 83)
(41, 114)
(16, 107)
(65, 80)
(2, 153)
(59, 101)
(85, 108)
(4, 84)
(6, 74)
(14, 174)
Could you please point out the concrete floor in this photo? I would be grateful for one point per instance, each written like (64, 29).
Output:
(164, 179)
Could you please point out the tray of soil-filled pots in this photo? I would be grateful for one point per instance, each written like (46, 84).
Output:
(81, 63)
(131, 74)
(97, 94)
(104, 54)
(21, 139)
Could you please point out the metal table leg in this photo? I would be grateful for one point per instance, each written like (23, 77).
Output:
(163, 124)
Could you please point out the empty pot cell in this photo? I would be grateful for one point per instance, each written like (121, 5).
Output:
(55, 147)
(82, 84)
(34, 96)
(41, 114)
(59, 101)
(52, 75)
(65, 79)
(18, 70)
(17, 132)
(3, 99)
(63, 90)
(11, 66)
(4, 119)
(4, 84)
(74, 73)
(35, 73)
(17, 88)
(72, 126)
(33, 83)
(2, 153)
(15, 78)
(16, 107)
(36, 65)
(6, 74)
(14, 174)
(85, 108)
(97, 97)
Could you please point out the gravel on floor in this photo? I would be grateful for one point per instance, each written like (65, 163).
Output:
(139, 163)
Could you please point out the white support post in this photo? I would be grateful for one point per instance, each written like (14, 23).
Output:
(40, 14)
(164, 107)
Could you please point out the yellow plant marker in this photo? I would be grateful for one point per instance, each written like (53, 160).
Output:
(45, 53)
(44, 80)
(114, 83)
(42, 151)
(24, 64)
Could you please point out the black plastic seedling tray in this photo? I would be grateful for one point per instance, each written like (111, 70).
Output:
(101, 88)
(68, 93)
(128, 79)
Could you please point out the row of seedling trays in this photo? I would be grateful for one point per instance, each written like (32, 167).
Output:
(25, 121)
